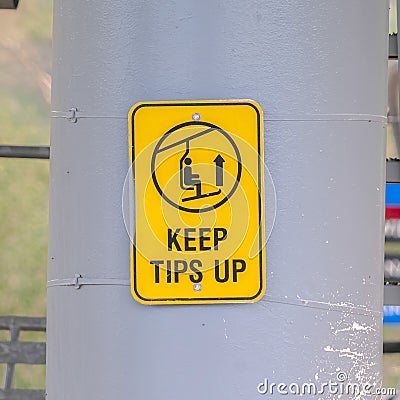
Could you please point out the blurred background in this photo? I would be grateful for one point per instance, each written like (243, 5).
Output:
(25, 86)
(25, 70)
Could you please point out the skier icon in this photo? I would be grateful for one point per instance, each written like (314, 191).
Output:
(190, 165)
(190, 180)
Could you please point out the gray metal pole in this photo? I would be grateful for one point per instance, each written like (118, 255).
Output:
(319, 71)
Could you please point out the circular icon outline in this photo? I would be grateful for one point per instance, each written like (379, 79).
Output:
(156, 151)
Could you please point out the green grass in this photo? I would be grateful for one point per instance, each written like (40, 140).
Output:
(24, 120)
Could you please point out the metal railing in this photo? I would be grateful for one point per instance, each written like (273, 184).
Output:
(37, 152)
(15, 352)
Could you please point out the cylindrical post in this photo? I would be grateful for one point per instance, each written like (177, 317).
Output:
(318, 69)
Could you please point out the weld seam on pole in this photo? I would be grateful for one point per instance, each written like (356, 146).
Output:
(79, 116)
(76, 114)
(78, 281)
(326, 118)
(343, 308)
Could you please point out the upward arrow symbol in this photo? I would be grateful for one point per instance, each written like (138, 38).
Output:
(219, 170)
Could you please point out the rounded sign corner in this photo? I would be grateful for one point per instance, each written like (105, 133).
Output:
(136, 107)
(138, 297)
(256, 106)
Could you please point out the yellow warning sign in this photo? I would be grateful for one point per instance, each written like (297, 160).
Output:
(198, 202)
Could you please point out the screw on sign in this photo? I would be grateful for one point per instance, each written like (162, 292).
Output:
(198, 202)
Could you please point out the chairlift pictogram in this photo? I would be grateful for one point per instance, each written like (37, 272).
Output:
(191, 181)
